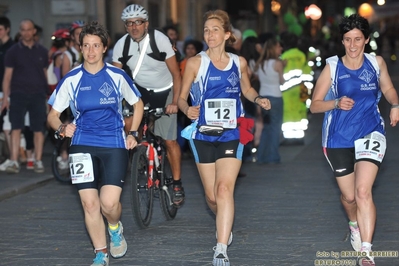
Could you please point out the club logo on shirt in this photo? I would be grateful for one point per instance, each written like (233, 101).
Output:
(233, 79)
(106, 89)
(366, 75)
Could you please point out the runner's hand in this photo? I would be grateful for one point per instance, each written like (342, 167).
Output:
(131, 142)
(172, 109)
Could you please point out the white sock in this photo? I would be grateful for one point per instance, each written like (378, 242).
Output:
(366, 246)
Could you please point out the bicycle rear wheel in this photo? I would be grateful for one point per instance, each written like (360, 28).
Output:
(142, 196)
(166, 190)
(60, 169)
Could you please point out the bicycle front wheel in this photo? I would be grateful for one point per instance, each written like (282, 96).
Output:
(166, 190)
(142, 195)
(59, 167)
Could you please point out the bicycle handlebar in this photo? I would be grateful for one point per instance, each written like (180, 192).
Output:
(157, 112)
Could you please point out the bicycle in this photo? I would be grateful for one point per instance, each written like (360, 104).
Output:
(60, 166)
(151, 173)
(60, 170)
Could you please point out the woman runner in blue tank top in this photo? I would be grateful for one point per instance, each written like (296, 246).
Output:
(215, 80)
(353, 137)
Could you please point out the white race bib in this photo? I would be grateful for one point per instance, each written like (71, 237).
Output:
(81, 168)
(372, 147)
(221, 112)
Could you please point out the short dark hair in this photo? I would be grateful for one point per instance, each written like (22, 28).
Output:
(198, 45)
(95, 28)
(169, 27)
(354, 21)
(5, 22)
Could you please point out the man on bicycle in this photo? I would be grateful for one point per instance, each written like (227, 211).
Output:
(149, 57)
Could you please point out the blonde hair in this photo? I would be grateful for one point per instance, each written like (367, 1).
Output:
(224, 19)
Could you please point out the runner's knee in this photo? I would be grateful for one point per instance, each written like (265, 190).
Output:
(348, 201)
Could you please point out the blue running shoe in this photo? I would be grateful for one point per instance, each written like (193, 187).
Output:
(101, 259)
(118, 245)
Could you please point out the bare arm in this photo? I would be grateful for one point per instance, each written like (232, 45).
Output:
(66, 65)
(174, 69)
(53, 119)
(388, 90)
(323, 84)
(190, 72)
(247, 90)
(6, 87)
(138, 107)
(279, 68)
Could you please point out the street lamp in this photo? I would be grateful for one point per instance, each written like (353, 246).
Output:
(313, 12)
(366, 10)
(275, 7)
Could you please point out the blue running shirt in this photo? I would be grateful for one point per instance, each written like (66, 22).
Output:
(341, 128)
(96, 103)
(218, 93)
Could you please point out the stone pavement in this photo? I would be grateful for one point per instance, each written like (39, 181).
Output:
(287, 214)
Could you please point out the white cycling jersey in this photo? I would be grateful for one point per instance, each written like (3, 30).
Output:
(153, 74)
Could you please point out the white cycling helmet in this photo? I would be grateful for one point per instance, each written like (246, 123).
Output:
(134, 11)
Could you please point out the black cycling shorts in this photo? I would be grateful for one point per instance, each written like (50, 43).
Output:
(109, 165)
(209, 152)
(342, 160)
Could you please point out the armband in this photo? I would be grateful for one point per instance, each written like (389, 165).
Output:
(394, 106)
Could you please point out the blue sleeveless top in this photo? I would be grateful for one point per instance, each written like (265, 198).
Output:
(341, 128)
(212, 83)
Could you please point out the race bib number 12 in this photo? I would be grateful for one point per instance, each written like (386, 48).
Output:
(221, 112)
(81, 168)
(372, 146)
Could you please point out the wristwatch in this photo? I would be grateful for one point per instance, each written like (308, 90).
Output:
(336, 106)
(134, 133)
(60, 132)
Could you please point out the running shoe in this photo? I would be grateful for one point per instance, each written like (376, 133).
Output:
(118, 245)
(101, 259)
(63, 164)
(230, 238)
(4, 165)
(220, 258)
(30, 165)
(38, 167)
(356, 240)
(178, 196)
(366, 260)
(13, 168)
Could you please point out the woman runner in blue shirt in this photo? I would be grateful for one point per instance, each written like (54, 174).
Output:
(98, 154)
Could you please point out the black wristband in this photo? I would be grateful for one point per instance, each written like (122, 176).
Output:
(134, 133)
(257, 97)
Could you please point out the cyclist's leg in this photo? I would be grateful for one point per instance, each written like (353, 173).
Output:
(166, 127)
(174, 156)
